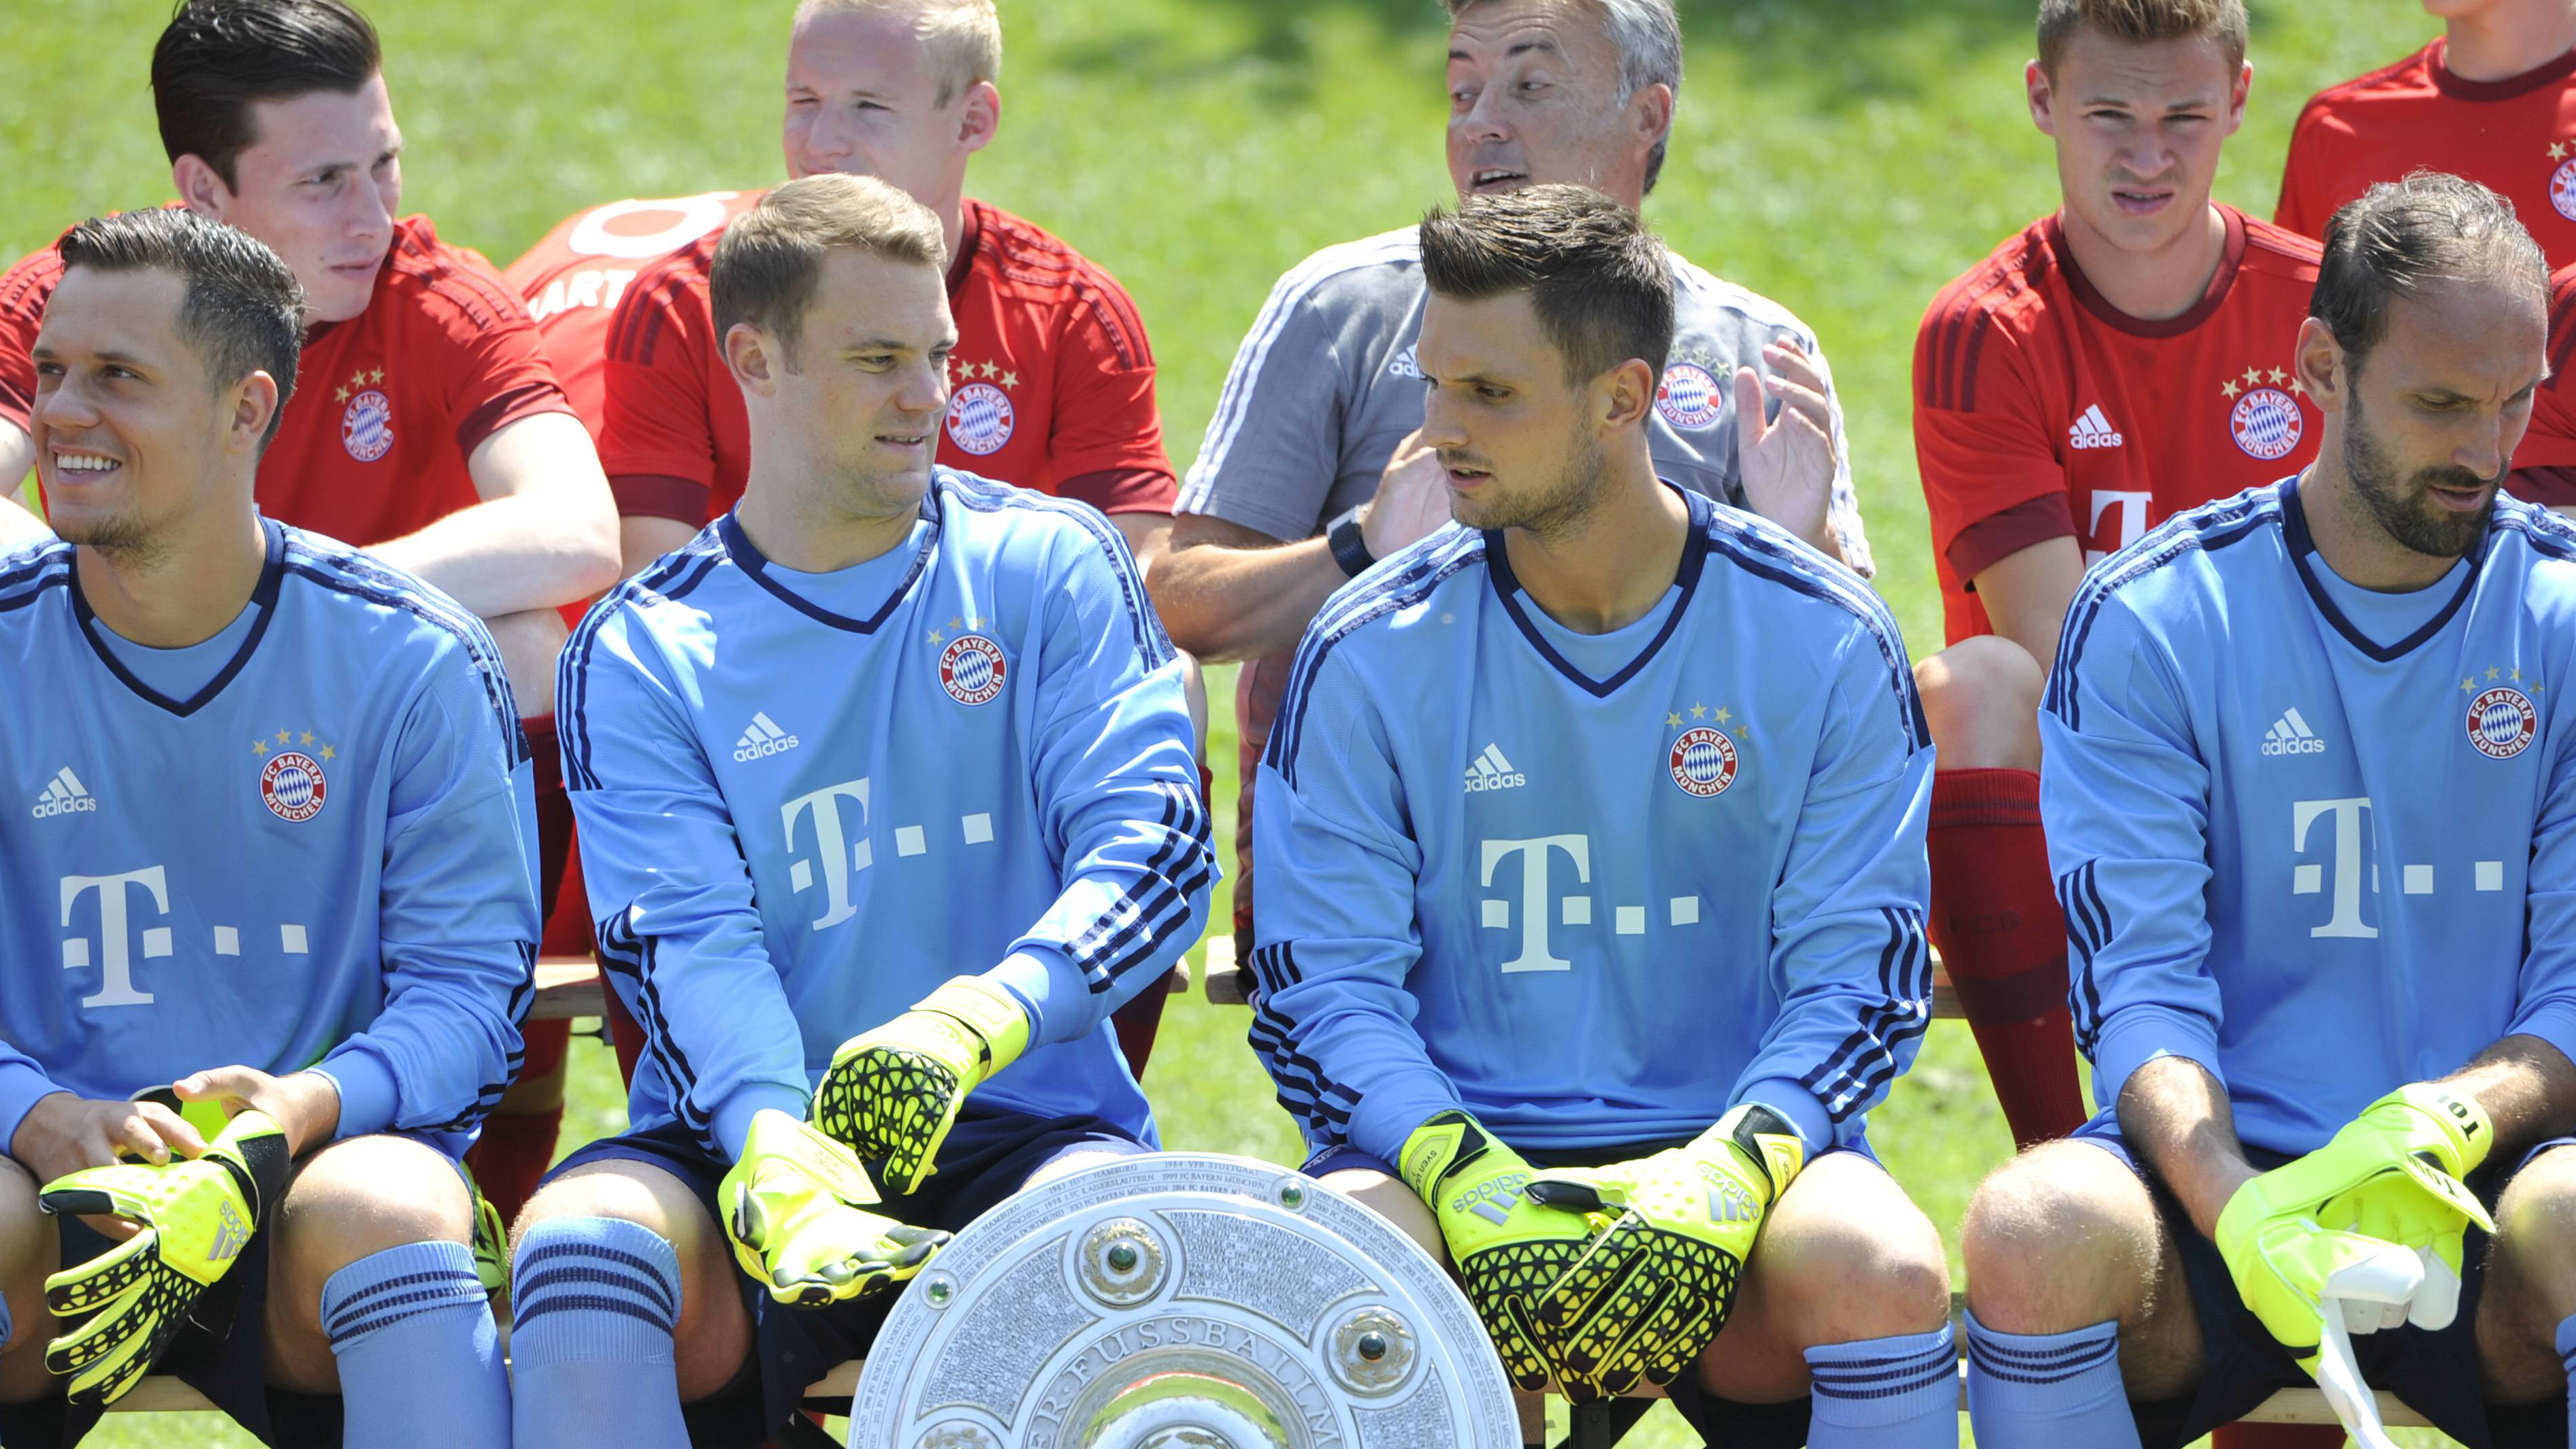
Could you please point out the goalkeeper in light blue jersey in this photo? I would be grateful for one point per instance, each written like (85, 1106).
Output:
(887, 801)
(1592, 912)
(2313, 818)
(266, 857)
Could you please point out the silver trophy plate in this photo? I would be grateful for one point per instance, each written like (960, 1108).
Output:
(1182, 1301)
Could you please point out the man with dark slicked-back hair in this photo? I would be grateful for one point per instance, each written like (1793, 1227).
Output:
(279, 847)
(1595, 915)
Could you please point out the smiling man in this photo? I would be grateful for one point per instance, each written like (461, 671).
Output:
(1312, 468)
(2121, 359)
(2329, 992)
(431, 430)
(268, 846)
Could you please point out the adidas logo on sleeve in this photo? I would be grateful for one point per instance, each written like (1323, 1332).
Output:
(762, 740)
(1492, 772)
(64, 795)
(2290, 735)
(2093, 430)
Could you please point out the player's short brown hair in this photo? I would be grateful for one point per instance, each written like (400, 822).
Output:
(2393, 239)
(1648, 36)
(1602, 284)
(241, 308)
(771, 258)
(2141, 21)
(964, 37)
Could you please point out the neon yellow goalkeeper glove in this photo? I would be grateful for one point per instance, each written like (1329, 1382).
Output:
(1650, 1296)
(796, 1209)
(1506, 1247)
(2385, 1183)
(196, 1216)
(892, 1093)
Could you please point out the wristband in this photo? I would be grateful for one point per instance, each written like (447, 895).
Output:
(1349, 545)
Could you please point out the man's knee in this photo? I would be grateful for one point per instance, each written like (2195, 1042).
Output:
(1390, 1199)
(713, 1337)
(362, 1196)
(1981, 697)
(2063, 1236)
(1847, 1256)
(2531, 1279)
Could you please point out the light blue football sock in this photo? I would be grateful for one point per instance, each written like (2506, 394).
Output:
(1886, 1393)
(2566, 1355)
(2048, 1391)
(420, 1359)
(591, 1360)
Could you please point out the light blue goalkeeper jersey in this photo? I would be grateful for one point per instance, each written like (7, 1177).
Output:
(808, 799)
(2317, 841)
(1594, 890)
(318, 854)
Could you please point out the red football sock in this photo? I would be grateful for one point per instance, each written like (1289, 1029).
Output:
(1137, 1023)
(2003, 940)
(517, 1147)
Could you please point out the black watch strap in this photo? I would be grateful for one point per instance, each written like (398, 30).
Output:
(1349, 545)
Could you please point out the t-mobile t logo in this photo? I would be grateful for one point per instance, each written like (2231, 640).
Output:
(2352, 869)
(115, 957)
(1535, 898)
(833, 850)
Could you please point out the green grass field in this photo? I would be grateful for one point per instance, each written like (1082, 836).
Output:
(1844, 156)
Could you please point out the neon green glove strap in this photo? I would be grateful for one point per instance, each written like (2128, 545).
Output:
(491, 1240)
(2386, 1179)
(892, 1094)
(796, 1209)
(1650, 1296)
(1507, 1248)
(195, 1216)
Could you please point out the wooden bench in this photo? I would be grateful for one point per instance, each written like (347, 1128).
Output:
(569, 986)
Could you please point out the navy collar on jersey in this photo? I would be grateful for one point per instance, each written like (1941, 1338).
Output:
(751, 561)
(263, 598)
(2302, 548)
(1498, 567)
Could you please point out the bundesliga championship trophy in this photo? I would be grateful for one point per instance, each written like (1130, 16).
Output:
(1182, 1301)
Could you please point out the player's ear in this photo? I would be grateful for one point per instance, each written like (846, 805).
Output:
(750, 356)
(2318, 359)
(1626, 394)
(253, 401)
(1650, 111)
(199, 188)
(2034, 80)
(2236, 97)
(981, 117)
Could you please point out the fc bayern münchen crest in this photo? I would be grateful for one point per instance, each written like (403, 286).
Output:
(291, 786)
(367, 428)
(2502, 723)
(2562, 189)
(979, 418)
(1703, 762)
(972, 669)
(2267, 423)
(1689, 397)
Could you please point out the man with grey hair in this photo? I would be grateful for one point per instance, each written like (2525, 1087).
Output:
(2337, 1116)
(1314, 465)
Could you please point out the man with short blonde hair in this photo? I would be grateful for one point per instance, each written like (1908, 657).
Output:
(962, 36)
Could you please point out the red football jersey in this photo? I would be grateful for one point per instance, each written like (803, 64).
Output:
(573, 277)
(2517, 136)
(1052, 383)
(2544, 466)
(2041, 412)
(387, 406)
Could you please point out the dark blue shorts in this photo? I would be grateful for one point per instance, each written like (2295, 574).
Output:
(988, 1156)
(222, 1353)
(2434, 1373)
(1715, 1420)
